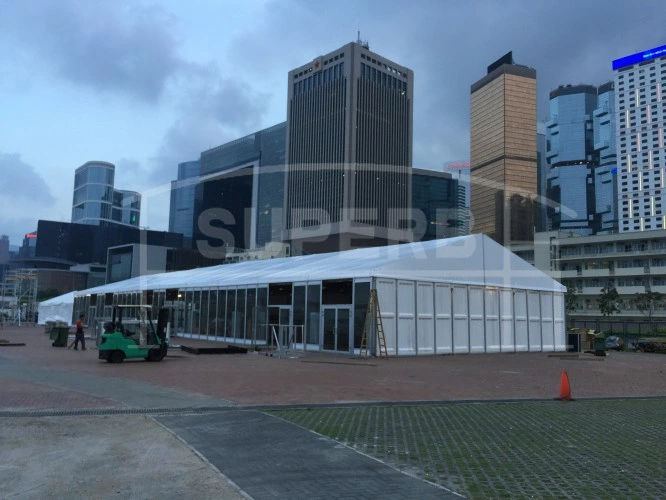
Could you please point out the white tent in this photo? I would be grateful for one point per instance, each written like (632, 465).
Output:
(57, 309)
(465, 294)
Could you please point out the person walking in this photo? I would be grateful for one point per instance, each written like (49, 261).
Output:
(79, 334)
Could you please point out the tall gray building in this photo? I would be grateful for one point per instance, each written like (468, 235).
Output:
(349, 148)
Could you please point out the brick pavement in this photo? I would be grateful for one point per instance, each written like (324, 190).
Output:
(22, 395)
(254, 379)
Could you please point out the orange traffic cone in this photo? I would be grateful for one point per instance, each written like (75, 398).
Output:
(565, 388)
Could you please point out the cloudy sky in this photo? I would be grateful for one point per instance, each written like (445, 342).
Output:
(148, 84)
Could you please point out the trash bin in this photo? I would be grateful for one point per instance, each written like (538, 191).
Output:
(59, 336)
(599, 345)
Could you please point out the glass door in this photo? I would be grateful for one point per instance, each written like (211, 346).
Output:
(336, 326)
(279, 325)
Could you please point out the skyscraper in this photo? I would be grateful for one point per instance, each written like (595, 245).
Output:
(96, 201)
(349, 147)
(605, 173)
(640, 88)
(503, 152)
(571, 159)
(239, 197)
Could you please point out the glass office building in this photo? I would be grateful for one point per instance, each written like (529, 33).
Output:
(571, 186)
(569, 153)
(605, 173)
(241, 191)
(435, 203)
(580, 152)
(97, 203)
(181, 209)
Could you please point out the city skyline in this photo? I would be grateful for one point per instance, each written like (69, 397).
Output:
(149, 86)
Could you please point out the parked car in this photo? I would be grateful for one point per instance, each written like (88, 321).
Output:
(614, 343)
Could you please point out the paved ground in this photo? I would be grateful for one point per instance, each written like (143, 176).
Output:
(253, 379)
(205, 400)
(270, 458)
(121, 456)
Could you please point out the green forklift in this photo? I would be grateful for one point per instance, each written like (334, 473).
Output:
(134, 337)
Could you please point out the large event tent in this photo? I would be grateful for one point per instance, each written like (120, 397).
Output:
(56, 309)
(457, 295)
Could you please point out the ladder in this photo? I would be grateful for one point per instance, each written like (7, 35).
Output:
(373, 314)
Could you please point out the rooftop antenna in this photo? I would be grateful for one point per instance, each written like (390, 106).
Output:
(363, 43)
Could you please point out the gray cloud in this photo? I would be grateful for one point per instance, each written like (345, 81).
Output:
(116, 46)
(214, 110)
(130, 174)
(20, 181)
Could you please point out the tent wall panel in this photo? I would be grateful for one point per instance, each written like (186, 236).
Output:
(425, 321)
(547, 328)
(443, 321)
(559, 328)
(386, 293)
(520, 320)
(460, 319)
(406, 318)
(492, 320)
(508, 341)
(477, 340)
(534, 320)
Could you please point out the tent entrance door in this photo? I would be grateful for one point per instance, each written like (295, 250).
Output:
(337, 328)
(279, 325)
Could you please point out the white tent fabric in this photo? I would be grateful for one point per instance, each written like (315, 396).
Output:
(474, 260)
(57, 309)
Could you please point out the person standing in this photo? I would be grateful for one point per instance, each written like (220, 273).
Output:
(79, 334)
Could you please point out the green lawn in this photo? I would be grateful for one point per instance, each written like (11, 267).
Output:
(579, 449)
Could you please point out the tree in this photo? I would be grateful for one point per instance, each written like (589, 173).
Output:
(571, 299)
(646, 302)
(608, 301)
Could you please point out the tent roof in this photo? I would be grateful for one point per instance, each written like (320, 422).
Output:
(67, 298)
(474, 259)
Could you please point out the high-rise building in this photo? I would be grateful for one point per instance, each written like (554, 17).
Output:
(96, 201)
(571, 159)
(640, 88)
(349, 148)
(605, 173)
(504, 152)
(181, 208)
(582, 167)
(239, 196)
